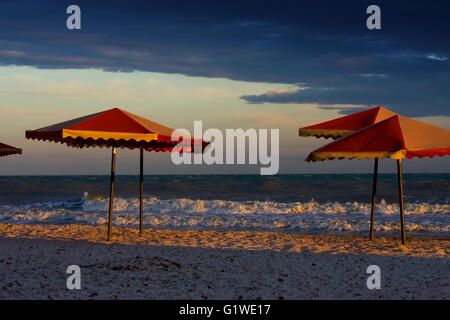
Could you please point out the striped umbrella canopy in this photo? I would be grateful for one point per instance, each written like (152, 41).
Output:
(340, 127)
(6, 150)
(117, 128)
(396, 137)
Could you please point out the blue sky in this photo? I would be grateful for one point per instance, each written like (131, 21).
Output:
(273, 64)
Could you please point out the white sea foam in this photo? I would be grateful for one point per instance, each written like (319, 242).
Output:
(421, 217)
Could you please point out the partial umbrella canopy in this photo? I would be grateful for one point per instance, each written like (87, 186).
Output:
(340, 127)
(110, 128)
(116, 128)
(396, 137)
(6, 150)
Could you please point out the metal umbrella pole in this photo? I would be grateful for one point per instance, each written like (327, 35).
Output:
(400, 195)
(111, 191)
(141, 180)
(374, 192)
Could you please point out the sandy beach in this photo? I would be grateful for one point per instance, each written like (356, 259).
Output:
(165, 264)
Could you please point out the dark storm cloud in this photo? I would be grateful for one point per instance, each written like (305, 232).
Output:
(408, 96)
(322, 45)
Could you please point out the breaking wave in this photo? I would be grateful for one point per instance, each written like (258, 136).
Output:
(182, 213)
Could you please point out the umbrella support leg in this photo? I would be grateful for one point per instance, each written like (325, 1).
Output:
(374, 192)
(400, 195)
(111, 191)
(141, 203)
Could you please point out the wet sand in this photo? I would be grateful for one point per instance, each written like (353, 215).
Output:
(182, 264)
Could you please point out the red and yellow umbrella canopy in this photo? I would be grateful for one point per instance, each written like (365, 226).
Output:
(343, 126)
(117, 128)
(6, 150)
(109, 128)
(396, 137)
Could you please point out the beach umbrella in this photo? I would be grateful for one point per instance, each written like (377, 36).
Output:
(340, 127)
(6, 150)
(115, 128)
(343, 126)
(397, 138)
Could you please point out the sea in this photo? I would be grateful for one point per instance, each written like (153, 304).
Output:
(331, 204)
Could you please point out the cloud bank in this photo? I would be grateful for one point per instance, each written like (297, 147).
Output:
(324, 47)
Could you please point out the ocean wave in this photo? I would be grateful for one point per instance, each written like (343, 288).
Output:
(156, 205)
(311, 216)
